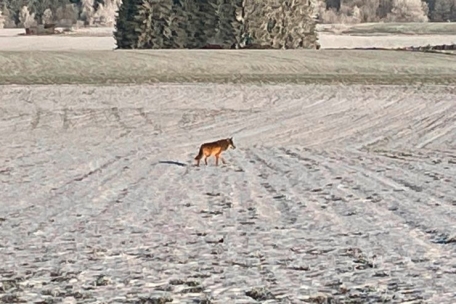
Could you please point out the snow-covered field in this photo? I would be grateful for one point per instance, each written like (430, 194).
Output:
(338, 192)
(341, 190)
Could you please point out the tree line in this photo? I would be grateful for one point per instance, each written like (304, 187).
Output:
(355, 11)
(168, 24)
(13, 13)
(22, 13)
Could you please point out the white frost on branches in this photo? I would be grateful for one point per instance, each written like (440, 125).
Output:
(408, 11)
(2, 20)
(47, 16)
(88, 11)
(106, 14)
(27, 19)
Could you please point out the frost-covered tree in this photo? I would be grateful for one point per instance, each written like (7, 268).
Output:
(47, 17)
(444, 10)
(27, 20)
(408, 11)
(67, 14)
(2, 20)
(8, 18)
(37, 7)
(87, 11)
(106, 13)
(285, 24)
(356, 15)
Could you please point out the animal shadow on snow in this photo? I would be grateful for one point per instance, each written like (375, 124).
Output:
(171, 162)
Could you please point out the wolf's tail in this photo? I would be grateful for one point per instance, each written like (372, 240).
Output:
(200, 154)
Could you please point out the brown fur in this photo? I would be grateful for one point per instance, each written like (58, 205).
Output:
(214, 148)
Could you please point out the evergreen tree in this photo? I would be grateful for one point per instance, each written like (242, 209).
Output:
(192, 27)
(207, 20)
(126, 26)
(154, 24)
(228, 26)
(162, 24)
(281, 24)
(177, 23)
(201, 20)
(239, 26)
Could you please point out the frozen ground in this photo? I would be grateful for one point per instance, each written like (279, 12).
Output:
(338, 192)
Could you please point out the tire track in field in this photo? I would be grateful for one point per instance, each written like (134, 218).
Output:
(312, 244)
(218, 226)
(68, 205)
(429, 252)
(130, 220)
(421, 172)
(288, 227)
(334, 117)
(369, 192)
(84, 237)
(276, 168)
(392, 193)
(426, 204)
(229, 215)
(338, 203)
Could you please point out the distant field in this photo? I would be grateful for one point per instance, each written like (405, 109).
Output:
(292, 66)
(335, 41)
(428, 28)
(383, 35)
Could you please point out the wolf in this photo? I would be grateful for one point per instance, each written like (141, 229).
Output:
(214, 148)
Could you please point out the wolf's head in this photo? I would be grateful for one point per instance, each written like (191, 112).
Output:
(230, 142)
